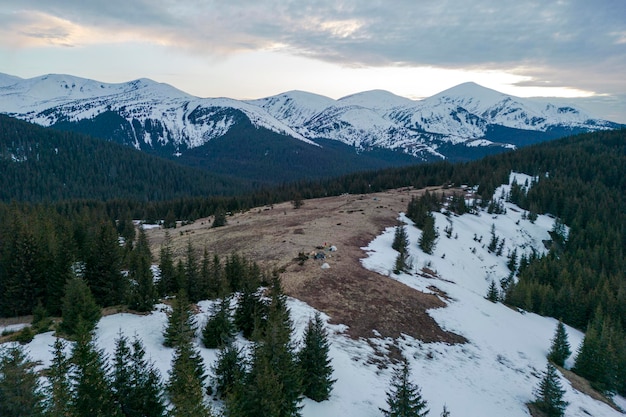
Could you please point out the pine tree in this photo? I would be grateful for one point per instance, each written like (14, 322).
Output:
(18, 279)
(314, 363)
(136, 383)
(219, 328)
(168, 283)
(180, 322)
(80, 310)
(185, 385)
(401, 244)
(229, 369)
(445, 412)
(93, 394)
(220, 218)
(512, 262)
(493, 242)
(400, 239)
(250, 312)
(429, 236)
(59, 388)
(143, 293)
(169, 222)
(103, 268)
(404, 398)
(20, 393)
(560, 349)
(192, 274)
(492, 293)
(549, 394)
(218, 287)
(401, 263)
(273, 385)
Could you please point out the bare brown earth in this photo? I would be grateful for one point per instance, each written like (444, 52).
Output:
(363, 300)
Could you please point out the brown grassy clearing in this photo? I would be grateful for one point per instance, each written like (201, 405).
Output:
(363, 300)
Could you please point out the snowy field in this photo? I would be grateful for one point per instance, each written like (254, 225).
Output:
(493, 375)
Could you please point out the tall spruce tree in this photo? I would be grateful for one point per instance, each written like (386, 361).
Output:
(180, 322)
(19, 274)
(192, 275)
(549, 394)
(559, 349)
(143, 294)
(59, 389)
(185, 386)
(219, 328)
(314, 362)
(401, 244)
(492, 293)
(168, 282)
(272, 387)
(79, 311)
(428, 239)
(136, 382)
(404, 398)
(400, 239)
(229, 369)
(250, 312)
(20, 393)
(103, 267)
(91, 385)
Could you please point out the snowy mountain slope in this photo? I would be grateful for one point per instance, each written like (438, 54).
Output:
(156, 113)
(150, 115)
(501, 109)
(492, 375)
(376, 100)
(294, 108)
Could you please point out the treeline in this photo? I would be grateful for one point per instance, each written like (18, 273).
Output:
(269, 377)
(582, 280)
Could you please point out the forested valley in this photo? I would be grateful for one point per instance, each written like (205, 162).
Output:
(58, 251)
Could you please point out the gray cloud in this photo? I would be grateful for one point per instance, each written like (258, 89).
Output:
(564, 43)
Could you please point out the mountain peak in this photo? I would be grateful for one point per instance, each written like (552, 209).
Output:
(376, 99)
(471, 90)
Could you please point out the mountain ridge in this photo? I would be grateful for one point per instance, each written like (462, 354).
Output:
(159, 118)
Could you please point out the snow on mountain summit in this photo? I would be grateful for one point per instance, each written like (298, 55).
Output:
(376, 100)
(158, 114)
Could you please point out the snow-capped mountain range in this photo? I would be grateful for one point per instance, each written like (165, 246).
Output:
(150, 115)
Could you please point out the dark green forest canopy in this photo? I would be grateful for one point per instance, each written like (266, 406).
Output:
(44, 165)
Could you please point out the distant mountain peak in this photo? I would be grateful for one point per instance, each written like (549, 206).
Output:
(149, 114)
(376, 99)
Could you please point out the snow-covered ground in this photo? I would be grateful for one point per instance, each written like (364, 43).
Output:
(493, 375)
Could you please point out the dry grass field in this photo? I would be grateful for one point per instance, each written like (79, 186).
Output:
(363, 300)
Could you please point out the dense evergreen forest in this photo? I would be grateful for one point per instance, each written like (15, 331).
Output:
(581, 180)
(39, 164)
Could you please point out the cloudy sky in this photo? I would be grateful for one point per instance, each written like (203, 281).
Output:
(573, 49)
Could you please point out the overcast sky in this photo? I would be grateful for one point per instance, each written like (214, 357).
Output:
(256, 48)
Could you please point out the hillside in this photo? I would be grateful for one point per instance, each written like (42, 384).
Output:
(489, 369)
(40, 164)
(465, 351)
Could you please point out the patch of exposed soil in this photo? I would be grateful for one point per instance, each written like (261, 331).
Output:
(363, 300)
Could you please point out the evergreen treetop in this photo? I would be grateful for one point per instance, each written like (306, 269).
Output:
(20, 391)
(314, 362)
(404, 398)
(560, 348)
(549, 394)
